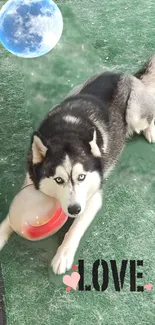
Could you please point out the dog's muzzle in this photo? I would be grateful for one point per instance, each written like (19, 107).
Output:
(74, 209)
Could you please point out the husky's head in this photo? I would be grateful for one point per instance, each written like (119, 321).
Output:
(68, 169)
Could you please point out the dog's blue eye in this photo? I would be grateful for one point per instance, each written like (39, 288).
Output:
(59, 180)
(81, 177)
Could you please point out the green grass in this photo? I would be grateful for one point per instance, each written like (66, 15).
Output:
(97, 35)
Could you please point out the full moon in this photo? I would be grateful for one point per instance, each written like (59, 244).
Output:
(30, 28)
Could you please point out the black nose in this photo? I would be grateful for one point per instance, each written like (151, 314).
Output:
(74, 209)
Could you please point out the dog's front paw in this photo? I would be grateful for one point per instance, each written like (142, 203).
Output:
(3, 241)
(5, 232)
(63, 260)
(149, 134)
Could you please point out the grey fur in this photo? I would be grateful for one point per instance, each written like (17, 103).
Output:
(86, 133)
(130, 92)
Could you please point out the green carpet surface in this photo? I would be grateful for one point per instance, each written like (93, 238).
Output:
(98, 35)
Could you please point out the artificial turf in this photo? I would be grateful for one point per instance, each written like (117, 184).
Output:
(97, 35)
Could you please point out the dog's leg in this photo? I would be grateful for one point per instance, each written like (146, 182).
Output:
(149, 133)
(5, 227)
(5, 232)
(64, 257)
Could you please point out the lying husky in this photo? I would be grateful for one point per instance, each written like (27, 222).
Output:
(79, 142)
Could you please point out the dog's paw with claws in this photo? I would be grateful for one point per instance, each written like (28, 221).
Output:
(149, 134)
(63, 260)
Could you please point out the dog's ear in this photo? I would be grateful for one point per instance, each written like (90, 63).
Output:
(39, 148)
(94, 147)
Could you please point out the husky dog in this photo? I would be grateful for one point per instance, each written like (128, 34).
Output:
(79, 142)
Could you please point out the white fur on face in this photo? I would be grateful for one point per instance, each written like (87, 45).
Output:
(76, 171)
(61, 172)
(70, 193)
(83, 191)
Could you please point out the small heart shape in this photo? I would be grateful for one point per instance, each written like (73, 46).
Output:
(74, 267)
(148, 286)
(68, 289)
(72, 280)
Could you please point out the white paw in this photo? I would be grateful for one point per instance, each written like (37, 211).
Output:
(63, 260)
(3, 241)
(149, 134)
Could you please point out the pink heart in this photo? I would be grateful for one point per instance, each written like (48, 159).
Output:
(74, 267)
(72, 280)
(68, 289)
(148, 286)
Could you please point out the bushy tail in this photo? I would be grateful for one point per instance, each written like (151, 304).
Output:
(147, 73)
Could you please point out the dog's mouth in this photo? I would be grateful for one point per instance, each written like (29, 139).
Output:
(73, 216)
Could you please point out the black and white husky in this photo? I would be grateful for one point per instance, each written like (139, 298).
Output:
(79, 142)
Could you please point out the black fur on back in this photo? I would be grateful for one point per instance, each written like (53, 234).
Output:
(64, 138)
(104, 87)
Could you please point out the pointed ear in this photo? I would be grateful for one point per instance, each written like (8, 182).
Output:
(39, 148)
(94, 147)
